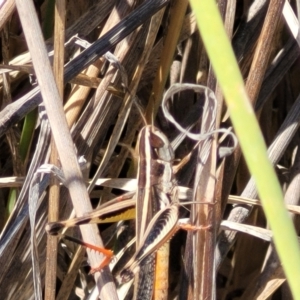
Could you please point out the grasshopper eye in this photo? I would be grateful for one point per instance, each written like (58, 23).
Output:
(156, 141)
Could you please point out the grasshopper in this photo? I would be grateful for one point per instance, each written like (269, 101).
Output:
(156, 192)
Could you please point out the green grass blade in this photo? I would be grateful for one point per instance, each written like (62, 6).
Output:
(251, 140)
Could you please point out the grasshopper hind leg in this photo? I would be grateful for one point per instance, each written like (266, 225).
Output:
(106, 252)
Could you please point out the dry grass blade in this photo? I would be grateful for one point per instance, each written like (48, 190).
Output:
(254, 82)
(61, 133)
(53, 215)
(6, 10)
(132, 22)
(179, 8)
(262, 52)
(25, 104)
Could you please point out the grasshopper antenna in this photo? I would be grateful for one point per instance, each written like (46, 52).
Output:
(139, 108)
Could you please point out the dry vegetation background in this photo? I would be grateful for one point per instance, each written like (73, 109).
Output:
(104, 120)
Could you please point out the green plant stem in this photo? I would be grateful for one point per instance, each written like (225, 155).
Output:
(250, 137)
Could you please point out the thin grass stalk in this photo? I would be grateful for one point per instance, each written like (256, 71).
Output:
(62, 137)
(262, 52)
(53, 209)
(205, 240)
(177, 17)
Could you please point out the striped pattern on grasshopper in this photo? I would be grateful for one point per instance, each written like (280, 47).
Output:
(156, 192)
